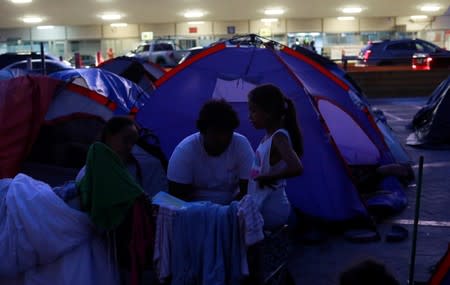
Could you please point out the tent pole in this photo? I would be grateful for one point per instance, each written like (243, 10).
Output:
(412, 262)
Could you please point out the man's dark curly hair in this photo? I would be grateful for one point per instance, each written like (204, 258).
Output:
(217, 114)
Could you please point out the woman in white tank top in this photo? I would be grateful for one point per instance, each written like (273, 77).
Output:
(277, 156)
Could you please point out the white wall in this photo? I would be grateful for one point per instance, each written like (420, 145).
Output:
(185, 29)
(333, 25)
(442, 22)
(241, 27)
(376, 24)
(413, 26)
(436, 37)
(19, 33)
(159, 30)
(257, 27)
(304, 25)
(56, 33)
(84, 32)
(129, 31)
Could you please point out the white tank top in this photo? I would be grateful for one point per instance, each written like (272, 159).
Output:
(264, 196)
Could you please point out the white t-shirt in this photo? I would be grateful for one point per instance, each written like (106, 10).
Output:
(214, 178)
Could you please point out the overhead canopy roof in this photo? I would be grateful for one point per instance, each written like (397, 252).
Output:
(84, 12)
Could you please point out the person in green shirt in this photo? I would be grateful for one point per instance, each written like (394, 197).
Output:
(107, 188)
(114, 200)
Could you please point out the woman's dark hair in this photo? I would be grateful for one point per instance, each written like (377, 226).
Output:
(271, 100)
(115, 125)
(217, 114)
(368, 272)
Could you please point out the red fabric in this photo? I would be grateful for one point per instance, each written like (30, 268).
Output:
(23, 104)
(142, 239)
(442, 269)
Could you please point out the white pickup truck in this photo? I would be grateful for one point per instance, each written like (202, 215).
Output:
(163, 53)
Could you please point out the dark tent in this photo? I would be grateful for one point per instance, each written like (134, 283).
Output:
(431, 124)
(137, 70)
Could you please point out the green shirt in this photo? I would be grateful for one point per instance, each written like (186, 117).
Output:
(107, 189)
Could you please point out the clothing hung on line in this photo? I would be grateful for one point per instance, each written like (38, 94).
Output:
(247, 223)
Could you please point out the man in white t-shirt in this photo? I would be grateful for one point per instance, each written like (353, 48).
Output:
(213, 164)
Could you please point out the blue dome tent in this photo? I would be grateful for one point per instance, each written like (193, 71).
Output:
(336, 133)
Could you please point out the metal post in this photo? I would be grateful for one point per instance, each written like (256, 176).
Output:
(77, 60)
(44, 69)
(29, 64)
(412, 262)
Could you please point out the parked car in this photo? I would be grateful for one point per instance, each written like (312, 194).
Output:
(36, 66)
(87, 60)
(397, 52)
(160, 52)
(11, 57)
(425, 61)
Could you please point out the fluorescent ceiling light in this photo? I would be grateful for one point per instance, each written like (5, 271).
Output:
(110, 16)
(20, 1)
(119, 25)
(276, 11)
(45, 27)
(269, 20)
(352, 10)
(346, 18)
(196, 23)
(430, 8)
(419, 17)
(194, 14)
(32, 19)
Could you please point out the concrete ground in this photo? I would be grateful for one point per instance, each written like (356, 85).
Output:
(321, 264)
